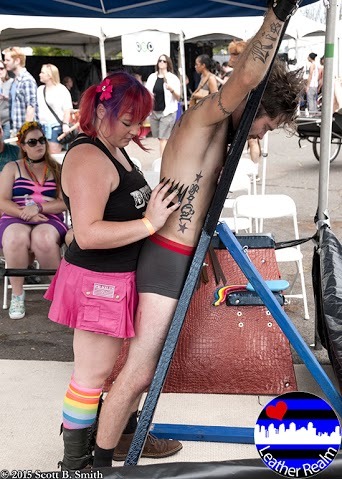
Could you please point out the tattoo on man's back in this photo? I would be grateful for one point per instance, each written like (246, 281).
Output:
(187, 211)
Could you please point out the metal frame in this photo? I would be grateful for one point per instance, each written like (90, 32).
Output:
(245, 435)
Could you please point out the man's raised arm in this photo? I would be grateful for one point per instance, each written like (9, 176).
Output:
(253, 62)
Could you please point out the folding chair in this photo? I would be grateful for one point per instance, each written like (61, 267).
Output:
(156, 165)
(241, 183)
(247, 167)
(30, 287)
(27, 287)
(260, 207)
(137, 162)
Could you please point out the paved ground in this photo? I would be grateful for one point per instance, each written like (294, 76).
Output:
(291, 170)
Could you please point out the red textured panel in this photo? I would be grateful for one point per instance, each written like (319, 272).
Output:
(229, 350)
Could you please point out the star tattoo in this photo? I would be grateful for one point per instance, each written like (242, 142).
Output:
(198, 177)
(182, 227)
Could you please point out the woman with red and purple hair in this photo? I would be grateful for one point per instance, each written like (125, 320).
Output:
(94, 292)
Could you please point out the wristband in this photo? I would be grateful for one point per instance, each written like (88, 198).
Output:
(283, 9)
(40, 208)
(148, 225)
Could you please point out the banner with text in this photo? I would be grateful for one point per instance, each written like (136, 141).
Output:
(144, 48)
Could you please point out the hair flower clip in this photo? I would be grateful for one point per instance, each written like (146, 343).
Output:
(106, 88)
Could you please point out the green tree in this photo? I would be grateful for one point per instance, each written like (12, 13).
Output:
(52, 52)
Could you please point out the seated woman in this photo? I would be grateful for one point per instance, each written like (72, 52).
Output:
(32, 205)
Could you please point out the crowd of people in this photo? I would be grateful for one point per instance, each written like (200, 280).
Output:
(130, 247)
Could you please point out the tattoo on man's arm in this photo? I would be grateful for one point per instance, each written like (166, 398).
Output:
(199, 103)
(187, 210)
(222, 108)
(276, 28)
(260, 51)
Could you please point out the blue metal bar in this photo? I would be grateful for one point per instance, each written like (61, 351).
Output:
(253, 275)
(184, 432)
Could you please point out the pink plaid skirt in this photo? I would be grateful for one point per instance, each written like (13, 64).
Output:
(104, 303)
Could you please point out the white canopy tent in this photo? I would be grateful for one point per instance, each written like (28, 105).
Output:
(88, 35)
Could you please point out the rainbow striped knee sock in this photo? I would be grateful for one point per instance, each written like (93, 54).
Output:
(80, 406)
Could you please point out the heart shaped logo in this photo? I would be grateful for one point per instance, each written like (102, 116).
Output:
(278, 411)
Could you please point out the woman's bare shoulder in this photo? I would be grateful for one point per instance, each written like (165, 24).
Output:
(12, 166)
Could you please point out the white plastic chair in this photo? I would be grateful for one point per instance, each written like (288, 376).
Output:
(156, 165)
(241, 184)
(7, 284)
(152, 178)
(247, 167)
(136, 162)
(59, 157)
(260, 207)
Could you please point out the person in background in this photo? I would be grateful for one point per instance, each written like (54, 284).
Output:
(8, 152)
(32, 220)
(23, 94)
(312, 84)
(69, 83)
(337, 104)
(208, 84)
(337, 98)
(165, 87)
(224, 74)
(112, 209)
(55, 105)
(235, 48)
(5, 87)
(320, 75)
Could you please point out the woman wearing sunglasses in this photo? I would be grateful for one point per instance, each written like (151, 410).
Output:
(165, 86)
(30, 197)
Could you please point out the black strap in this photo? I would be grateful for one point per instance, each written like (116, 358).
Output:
(295, 242)
(49, 107)
(83, 138)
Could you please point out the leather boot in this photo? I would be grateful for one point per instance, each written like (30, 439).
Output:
(77, 449)
(154, 448)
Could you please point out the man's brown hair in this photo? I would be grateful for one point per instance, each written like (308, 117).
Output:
(282, 94)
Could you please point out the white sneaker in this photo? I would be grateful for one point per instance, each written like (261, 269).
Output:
(17, 307)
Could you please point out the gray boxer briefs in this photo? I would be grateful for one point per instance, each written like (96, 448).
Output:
(163, 266)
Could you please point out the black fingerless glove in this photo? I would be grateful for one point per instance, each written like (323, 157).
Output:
(283, 9)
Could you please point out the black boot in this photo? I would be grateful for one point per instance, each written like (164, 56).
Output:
(77, 449)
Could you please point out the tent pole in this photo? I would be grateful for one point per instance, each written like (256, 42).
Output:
(327, 108)
(182, 55)
(103, 54)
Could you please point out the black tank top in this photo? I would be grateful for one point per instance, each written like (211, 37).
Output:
(127, 202)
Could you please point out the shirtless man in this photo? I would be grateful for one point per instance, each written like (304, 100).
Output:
(194, 156)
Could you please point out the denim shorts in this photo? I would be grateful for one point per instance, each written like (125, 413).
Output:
(52, 132)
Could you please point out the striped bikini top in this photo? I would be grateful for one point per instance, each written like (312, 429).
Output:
(23, 187)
